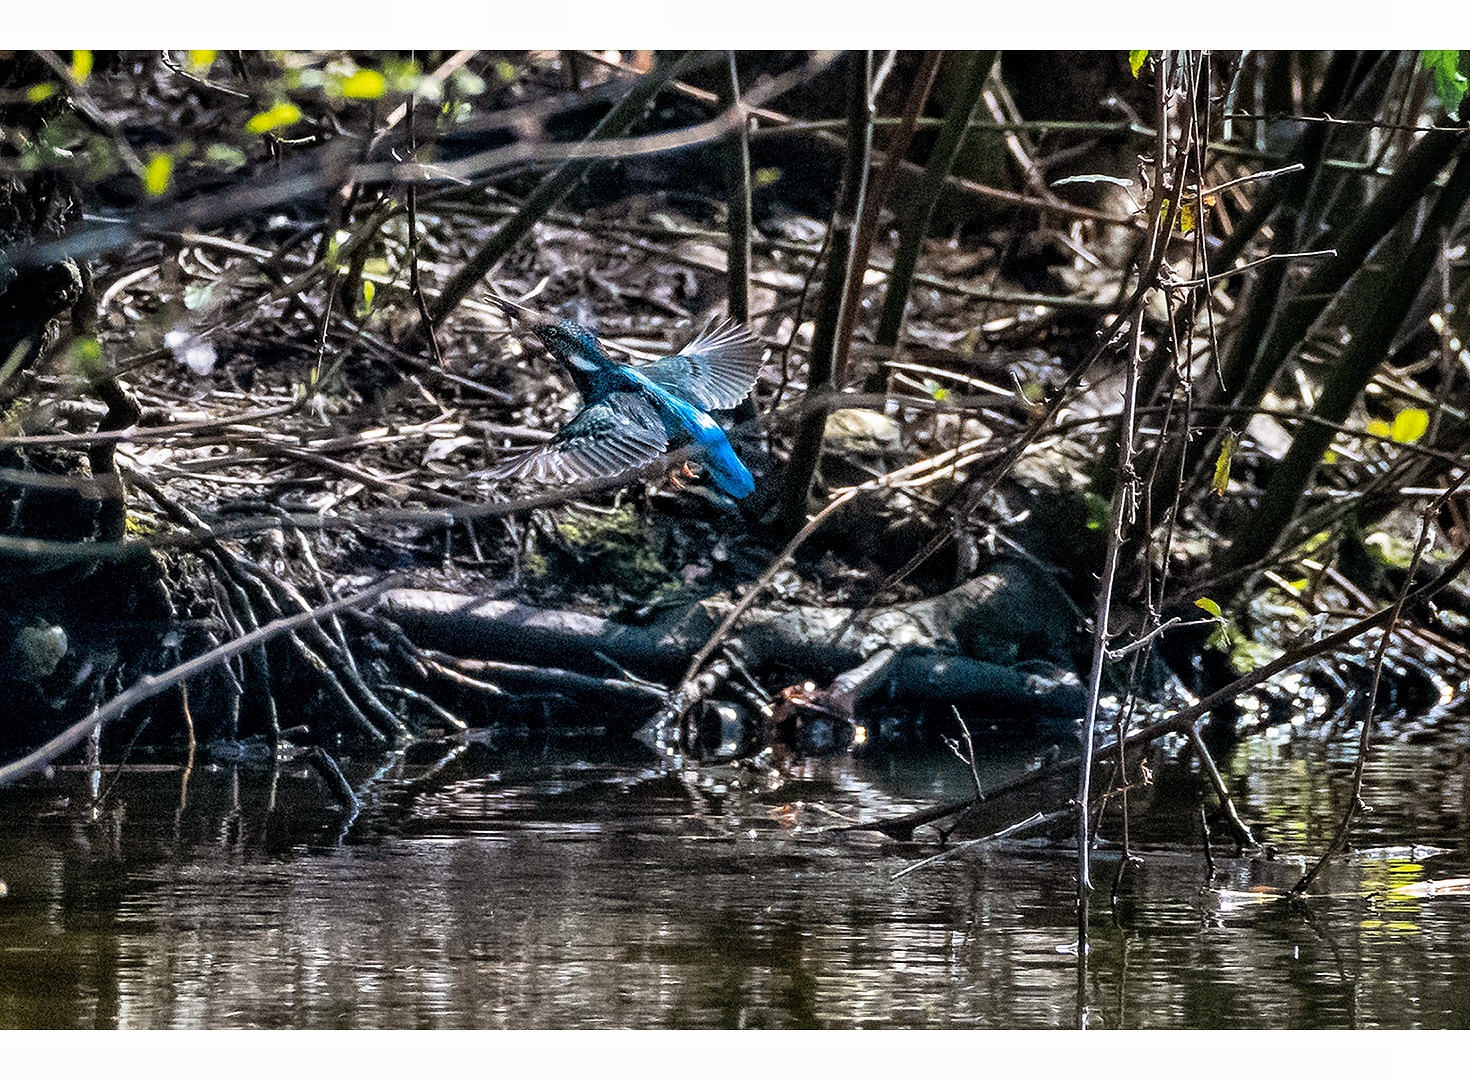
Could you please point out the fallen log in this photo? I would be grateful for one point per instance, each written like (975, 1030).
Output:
(916, 655)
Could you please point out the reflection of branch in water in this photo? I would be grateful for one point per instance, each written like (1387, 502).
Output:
(1355, 799)
(1037, 818)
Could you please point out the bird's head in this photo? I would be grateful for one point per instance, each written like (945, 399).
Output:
(571, 343)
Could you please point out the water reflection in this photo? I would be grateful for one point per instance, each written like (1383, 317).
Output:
(589, 886)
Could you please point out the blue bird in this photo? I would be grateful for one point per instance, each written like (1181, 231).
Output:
(630, 415)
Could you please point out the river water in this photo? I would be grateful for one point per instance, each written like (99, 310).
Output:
(578, 883)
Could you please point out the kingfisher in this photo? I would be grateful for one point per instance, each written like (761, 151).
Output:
(632, 414)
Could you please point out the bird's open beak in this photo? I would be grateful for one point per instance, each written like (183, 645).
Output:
(512, 310)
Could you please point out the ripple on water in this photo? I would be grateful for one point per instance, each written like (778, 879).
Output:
(531, 891)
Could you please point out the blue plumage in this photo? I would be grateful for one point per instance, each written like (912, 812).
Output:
(630, 415)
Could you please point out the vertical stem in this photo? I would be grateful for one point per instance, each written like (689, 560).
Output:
(897, 152)
(1390, 294)
(737, 168)
(415, 285)
(1161, 224)
(1278, 314)
(916, 226)
(807, 449)
(189, 761)
(1121, 505)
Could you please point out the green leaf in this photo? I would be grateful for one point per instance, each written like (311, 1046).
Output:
(86, 350)
(1449, 83)
(281, 115)
(364, 85)
(81, 64)
(85, 354)
(1136, 57)
(1209, 605)
(1409, 425)
(158, 173)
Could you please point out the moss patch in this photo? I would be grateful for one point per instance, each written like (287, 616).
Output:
(612, 554)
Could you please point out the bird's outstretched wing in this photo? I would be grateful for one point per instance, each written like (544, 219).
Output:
(617, 434)
(714, 371)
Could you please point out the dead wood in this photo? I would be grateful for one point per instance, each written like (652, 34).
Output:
(919, 651)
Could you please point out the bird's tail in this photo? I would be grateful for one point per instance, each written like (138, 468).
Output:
(725, 469)
(709, 448)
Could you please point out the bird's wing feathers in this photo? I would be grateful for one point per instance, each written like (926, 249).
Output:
(716, 370)
(617, 434)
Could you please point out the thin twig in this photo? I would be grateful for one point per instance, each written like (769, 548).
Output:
(1124, 493)
(1365, 737)
(149, 686)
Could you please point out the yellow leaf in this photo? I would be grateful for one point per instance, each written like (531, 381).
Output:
(1192, 210)
(1136, 57)
(364, 84)
(1443, 887)
(281, 115)
(1378, 428)
(202, 59)
(1186, 218)
(1409, 425)
(81, 64)
(1222, 463)
(158, 173)
(40, 92)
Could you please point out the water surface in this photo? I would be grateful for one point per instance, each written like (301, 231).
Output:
(582, 884)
